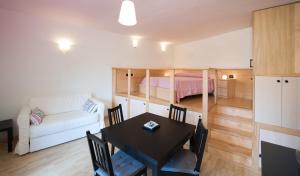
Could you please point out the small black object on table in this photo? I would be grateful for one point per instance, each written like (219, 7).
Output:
(153, 148)
(7, 125)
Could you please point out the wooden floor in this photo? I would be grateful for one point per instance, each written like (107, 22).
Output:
(73, 158)
(235, 102)
(195, 102)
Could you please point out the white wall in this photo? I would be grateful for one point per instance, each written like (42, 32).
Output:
(31, 64)
(228, 50)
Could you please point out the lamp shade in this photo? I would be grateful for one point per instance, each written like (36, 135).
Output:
(127, 15)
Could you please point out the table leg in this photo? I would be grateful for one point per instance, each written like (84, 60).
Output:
(9, 139)
(192, 143)
(155, 171)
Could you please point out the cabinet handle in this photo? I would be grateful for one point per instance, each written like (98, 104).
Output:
(286, 81)
(168, 109)
(278, 81)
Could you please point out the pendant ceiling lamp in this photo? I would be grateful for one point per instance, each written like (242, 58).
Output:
(127, 15)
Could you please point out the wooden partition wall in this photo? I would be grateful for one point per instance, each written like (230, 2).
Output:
(135, 83)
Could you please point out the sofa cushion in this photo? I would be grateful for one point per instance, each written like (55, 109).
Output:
(64, 121)
(59, 104)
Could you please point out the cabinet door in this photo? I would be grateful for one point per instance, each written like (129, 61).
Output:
(297, 37)
(124, 102)
(193, 117)
(158, 109)
(137, 107)
(273, 40)
(268, 100)
(291, 102)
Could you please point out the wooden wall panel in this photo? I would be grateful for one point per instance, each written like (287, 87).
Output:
(297, 37)
(273, 41)
(137, 77)
(121, 81)
(243, 82)
(158, 73)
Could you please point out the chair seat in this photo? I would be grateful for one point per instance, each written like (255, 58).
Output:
(123, 165)
(183, 161)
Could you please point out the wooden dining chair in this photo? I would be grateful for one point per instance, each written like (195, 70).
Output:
(115, 116)
(188, 162)
(119, 164)
(177, 113)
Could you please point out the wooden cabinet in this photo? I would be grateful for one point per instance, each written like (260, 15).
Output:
(297, 37)
(276, 40)
(124, 102)
(158, 109)
(226, 88)
(137, 107)
(277, 101)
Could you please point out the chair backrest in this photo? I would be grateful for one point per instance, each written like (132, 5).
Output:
(115, 115)
(198, 143)
(99, 154)
(177, 113)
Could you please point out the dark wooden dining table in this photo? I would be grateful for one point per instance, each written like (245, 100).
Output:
(153, 148)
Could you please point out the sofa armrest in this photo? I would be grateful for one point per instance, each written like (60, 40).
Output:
(100, 112)
(23, 122)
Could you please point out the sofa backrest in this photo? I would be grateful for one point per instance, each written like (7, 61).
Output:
(59, 104)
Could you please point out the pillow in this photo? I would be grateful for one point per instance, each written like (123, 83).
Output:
(96, 102)
(90, 106)
(37, 116)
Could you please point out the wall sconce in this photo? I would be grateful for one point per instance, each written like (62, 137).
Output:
(135, 41)
(163, 46)
(64, 44)
(224, 77)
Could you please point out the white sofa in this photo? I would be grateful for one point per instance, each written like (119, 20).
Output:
(64, 121)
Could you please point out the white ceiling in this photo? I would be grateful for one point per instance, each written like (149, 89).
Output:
(167, 20)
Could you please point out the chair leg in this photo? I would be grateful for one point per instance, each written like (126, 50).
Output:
(112, 150)
(145, 172)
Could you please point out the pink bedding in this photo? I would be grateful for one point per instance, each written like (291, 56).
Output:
(184, 85)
